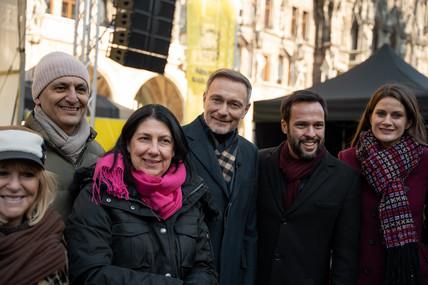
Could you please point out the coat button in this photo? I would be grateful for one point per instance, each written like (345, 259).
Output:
(373, 214)
(277, 257)
(372, 242)
(132, 207)
(162, 231)
(108, 200)
(168, 275)
(284, 221)
(367, 271)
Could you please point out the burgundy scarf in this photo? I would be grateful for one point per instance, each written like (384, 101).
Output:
(29, 256)
(294, 170)
(162, 194)
(386, 169)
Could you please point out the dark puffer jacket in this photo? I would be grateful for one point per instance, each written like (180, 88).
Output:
(124, 242)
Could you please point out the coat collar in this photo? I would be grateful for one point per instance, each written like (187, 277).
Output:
(32, 123)
(203, 152)
(318, 177)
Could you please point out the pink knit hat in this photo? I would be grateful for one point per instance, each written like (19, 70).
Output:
(55, 65)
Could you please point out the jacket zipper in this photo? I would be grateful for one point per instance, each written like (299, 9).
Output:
(194, 191)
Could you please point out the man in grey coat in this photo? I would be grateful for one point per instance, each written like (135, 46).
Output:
(228, 164)
(308, 205)
(61, 92)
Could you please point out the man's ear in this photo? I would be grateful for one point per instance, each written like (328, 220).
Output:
(37, 101)
(284, 126)
(246, 110)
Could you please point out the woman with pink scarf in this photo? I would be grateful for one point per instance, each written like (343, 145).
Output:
(139, 218)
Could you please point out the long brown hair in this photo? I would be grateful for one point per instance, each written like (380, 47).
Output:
(406, 97)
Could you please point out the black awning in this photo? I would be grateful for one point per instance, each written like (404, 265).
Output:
(348, 94)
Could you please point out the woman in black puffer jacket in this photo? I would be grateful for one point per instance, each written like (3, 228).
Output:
(140, 219)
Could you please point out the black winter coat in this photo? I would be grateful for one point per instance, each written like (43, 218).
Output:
(125, 242)
(316, 241)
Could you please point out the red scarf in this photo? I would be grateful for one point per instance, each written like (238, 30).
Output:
(162, 194)
(294, 170)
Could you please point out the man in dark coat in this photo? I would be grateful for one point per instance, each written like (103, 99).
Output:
(228, 164)
(308, 205)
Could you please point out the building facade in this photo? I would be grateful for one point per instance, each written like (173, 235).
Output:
(281, 46)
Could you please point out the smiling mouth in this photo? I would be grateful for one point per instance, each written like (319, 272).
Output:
(151, 162)
(8, 198)
(220, 120)
(69, 108)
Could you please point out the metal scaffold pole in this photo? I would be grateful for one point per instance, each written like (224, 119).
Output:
(86, 40)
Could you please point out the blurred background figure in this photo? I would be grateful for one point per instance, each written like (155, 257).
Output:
(32, 250)
(389, 149)
(141, 219)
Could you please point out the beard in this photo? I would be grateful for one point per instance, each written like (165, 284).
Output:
(297, 150)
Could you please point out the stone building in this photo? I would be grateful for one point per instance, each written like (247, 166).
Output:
(281, 45)
(295, 44)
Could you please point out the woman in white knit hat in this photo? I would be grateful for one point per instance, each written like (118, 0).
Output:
(32, 250)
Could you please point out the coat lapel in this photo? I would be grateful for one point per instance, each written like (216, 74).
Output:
(238, 172)
(275, 178)
(203, 152)
(321, 174)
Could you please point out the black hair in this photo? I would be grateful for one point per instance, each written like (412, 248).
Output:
(160, 113)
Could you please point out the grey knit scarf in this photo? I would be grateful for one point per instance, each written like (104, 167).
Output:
(70, 145)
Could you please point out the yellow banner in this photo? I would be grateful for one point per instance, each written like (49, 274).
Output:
(108, 131)
(211, 29)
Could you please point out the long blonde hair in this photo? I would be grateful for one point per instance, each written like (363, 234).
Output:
(46, 192)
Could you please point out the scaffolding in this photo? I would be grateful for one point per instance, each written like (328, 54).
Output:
(86, 40)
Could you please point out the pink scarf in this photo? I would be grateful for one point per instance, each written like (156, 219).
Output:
(162, 194)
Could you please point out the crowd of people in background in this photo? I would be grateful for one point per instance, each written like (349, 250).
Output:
(200, 204)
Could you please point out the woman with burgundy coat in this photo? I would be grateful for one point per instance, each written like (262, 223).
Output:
(389, 149)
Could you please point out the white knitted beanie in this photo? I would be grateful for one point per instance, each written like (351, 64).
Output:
(55, 65)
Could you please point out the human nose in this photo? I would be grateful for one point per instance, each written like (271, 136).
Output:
(223, 109)
(14, 183)
(310, 131)
(72, 96)
(153, 148)
(387, 120)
